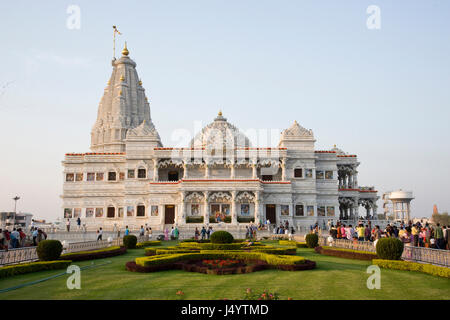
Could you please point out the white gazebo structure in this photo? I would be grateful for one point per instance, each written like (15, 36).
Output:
(401, 207)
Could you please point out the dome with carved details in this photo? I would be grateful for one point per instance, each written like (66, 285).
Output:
(338, 151)
(220, 134)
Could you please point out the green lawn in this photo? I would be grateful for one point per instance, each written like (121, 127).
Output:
(334, 278)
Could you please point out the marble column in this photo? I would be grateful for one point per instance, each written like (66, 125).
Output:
(185, 170)
(257, 207)
(283, 170)
(155, 170)
(233, 207)
(206, 171)
(232, 172)
(254, 173)
(182, 215)
(206, 209)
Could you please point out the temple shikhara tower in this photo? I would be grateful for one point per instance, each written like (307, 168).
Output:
(129, 178)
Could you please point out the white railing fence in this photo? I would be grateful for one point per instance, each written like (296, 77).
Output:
(410, 253)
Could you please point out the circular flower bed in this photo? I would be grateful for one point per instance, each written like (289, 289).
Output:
(220, 263)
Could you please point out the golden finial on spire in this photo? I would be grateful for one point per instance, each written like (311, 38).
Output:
(334, 146)
(125, 51)
(122, 78)
(220, 113)
(120, 92)
(140, 82)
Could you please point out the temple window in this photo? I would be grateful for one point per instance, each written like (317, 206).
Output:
(69, 177)
(310, 210)
(284, 210)
(330, 211)
(319, 174)
(99, 176)
(321, 211)
(298, 173)
(142, 173)
(111, 212)
(90, 176)
(131, 174)
(308, 173)
(67, 213)
(98, 212)
(173, 176)
(140, 212)
(328, 174)
(267, 177)
(120, 212)
(130, 211)
(112, 176)
(77, 212)
(90, 212)
(121, 175)
(299, 210)
(79, 177)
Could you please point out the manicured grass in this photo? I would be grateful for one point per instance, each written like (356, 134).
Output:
(334, 278)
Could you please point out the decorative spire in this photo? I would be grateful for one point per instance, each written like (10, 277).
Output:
(125, 51)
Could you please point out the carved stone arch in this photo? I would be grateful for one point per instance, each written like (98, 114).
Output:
(220, 196)
(246, 197)
(195, 197)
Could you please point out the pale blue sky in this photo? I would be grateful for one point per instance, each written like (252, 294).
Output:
(381, 94)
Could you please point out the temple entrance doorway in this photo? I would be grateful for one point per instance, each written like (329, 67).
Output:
(271, 213)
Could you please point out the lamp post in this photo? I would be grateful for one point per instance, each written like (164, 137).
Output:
(16, 198)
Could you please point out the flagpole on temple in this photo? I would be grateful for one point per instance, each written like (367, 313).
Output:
(114, 41)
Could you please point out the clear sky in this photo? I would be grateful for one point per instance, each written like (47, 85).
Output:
(382, 94)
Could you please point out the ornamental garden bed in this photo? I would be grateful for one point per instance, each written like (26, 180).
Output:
(346, 253)
(413, 266)
(94, 254)
(145, 244)
(184, 261)
(240, 267)
(23, 268)
(292, 243)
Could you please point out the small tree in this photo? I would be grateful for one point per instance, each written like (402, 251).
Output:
(312, 240)
(389, 248)
(49, 250)
(130, 241)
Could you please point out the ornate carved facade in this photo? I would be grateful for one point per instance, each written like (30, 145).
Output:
(129, 178)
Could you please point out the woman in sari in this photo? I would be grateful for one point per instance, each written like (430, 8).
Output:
(166, 234)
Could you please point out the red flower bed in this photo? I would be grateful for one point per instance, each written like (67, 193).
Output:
(218, 264)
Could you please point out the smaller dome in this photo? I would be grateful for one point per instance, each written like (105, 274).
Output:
(338, 151)
(220, 134)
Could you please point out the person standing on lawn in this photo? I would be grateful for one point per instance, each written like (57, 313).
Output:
(439, 236)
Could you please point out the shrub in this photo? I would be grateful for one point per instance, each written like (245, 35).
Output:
(292, 243)
(222, 237)
(194, 219)
(48, 250)
(33, 267)
(346, 253)
(312, 240)
(148, 244)
(130, 241)
(94, 254)
(389, 248)
(413, 266)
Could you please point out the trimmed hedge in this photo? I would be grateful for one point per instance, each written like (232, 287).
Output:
(292, 243)
(17, 269)
(49, 250)
(413, 266)
(389, 248)
(148, 244)
(312, 240)
(94, 254)
(222, 237)
(274, 260)
(130, 241)
(346, 253)
(273, 250)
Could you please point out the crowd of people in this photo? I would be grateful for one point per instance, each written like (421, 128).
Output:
(417, 234)
(17, 238)
(284, 229)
